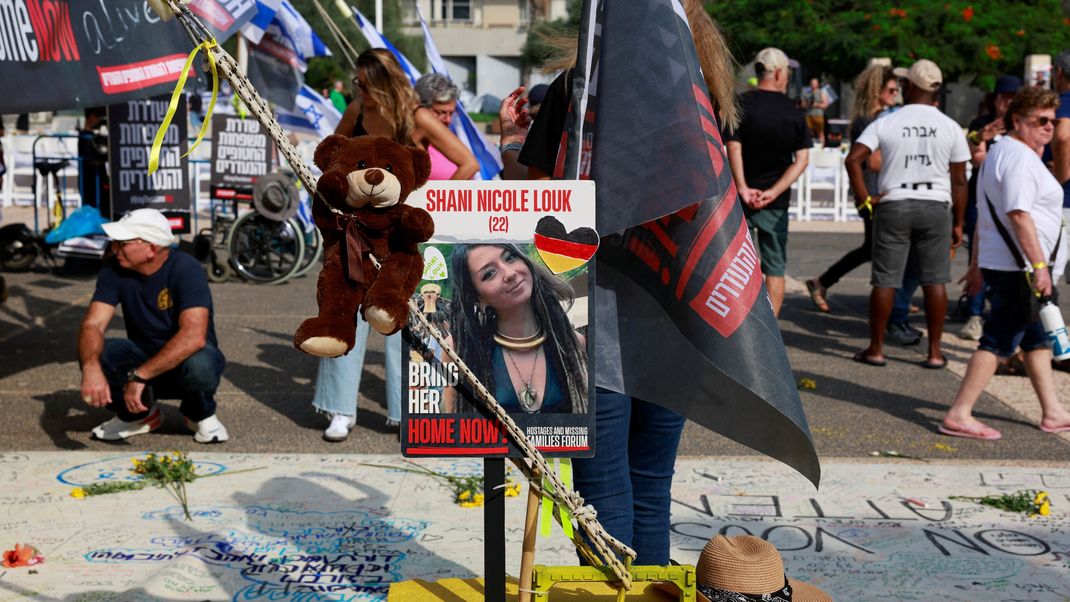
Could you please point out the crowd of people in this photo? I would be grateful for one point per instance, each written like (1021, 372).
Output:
(907, 167)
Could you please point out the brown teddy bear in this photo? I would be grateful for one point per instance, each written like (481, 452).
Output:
(360, 211)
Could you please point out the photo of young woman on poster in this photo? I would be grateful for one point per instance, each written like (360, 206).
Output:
(509, 325)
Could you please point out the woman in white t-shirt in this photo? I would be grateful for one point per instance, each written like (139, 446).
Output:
(1016, 188)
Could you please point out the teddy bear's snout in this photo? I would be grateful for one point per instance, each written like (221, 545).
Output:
(373, 177)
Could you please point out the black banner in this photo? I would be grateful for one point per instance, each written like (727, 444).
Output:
(84, 53)
(241, 153)
(132, 127)
(273, 70)
(682, 313)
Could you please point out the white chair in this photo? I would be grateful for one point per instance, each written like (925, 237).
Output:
(824, 173)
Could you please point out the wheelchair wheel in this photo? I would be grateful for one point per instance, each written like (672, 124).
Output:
(217, 268)
(265, 251)
(18, 249)
(313, 249)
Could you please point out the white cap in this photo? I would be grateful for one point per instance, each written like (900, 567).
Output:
(771, 59)
(923, 74)
(148, 225)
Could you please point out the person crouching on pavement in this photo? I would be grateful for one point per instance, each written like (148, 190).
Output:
(171, 350)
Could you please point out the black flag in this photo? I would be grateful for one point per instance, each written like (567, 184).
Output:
(683, 316)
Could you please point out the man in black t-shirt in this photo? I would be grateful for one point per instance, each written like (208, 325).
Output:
(767, 153)
(171, 349)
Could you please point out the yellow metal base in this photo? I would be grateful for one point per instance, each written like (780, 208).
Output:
(559, 584)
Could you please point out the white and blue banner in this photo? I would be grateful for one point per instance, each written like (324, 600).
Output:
(490, 162)
(313, 114)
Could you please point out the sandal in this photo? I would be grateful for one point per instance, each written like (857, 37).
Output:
(862, 358)
(817, 294)
(978, 431)
(938, 365)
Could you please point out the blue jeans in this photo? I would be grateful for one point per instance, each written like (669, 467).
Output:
(629, 480)
(338, 379)
(194, 381)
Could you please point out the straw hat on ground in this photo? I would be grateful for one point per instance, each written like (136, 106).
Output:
(745, 568)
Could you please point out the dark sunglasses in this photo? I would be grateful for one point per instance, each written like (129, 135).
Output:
(1043, 121)
(358, 83)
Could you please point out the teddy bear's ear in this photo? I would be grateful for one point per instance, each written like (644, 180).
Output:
(421, 166)
(327, 149)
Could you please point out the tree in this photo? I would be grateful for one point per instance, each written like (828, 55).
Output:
(980, 38)
(322, 71)
(536, 50)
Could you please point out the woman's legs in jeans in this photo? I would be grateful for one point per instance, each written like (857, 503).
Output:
(630, 484)
(338, 378)
(392, 361)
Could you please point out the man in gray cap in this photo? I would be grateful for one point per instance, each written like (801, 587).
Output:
(171, 352)
(920, 208)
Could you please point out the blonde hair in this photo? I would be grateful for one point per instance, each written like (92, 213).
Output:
(714, 57)
(383, 79)
(868, 86)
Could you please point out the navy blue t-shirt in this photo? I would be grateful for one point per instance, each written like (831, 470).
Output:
(151, 304)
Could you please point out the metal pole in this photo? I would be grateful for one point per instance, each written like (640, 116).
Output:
(379, 16)
(494, 529)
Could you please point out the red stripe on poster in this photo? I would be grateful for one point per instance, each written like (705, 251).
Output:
(456, 451)
(143, 74)
(211, 11)
(564, 247)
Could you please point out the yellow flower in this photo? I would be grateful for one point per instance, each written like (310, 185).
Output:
(464, 495)
(1045, 508)
(478, 499)
(512, 490)
(1041, 496)
(78, 492)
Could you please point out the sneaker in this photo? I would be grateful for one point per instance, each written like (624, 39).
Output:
(209, 430)
(117, 429)
(340, 427)
(393, 424)
(902, 334)
(973, 329)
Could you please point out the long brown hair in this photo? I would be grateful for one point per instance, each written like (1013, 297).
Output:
(382, 78)
(714, 57)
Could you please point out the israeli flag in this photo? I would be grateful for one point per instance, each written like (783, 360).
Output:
(290, 30)
(314, 114)
(490, 161)
(265, 14)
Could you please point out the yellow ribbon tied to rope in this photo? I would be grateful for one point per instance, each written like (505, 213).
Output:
(548, 504)
(154, 153)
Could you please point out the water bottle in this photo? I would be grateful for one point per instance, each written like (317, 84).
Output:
(1052, 320)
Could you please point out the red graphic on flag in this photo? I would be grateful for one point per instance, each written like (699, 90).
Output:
(726, 298)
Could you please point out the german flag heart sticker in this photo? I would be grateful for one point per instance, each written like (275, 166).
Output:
(560, 250)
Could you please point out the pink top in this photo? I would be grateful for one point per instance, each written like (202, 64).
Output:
(441, 167)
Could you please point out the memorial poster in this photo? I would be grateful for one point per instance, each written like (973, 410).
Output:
(506, 282)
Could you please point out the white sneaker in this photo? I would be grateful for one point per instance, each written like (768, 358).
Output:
(209, 430)
(116, 428)
(340, 427)
(973, 329)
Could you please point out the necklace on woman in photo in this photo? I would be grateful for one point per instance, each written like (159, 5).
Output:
(526, 394)
(522, 343)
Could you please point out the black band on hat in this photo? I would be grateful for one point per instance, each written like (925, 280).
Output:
(722, 595)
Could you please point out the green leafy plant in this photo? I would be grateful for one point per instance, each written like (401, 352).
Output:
(1029, 501)
(171, 472)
